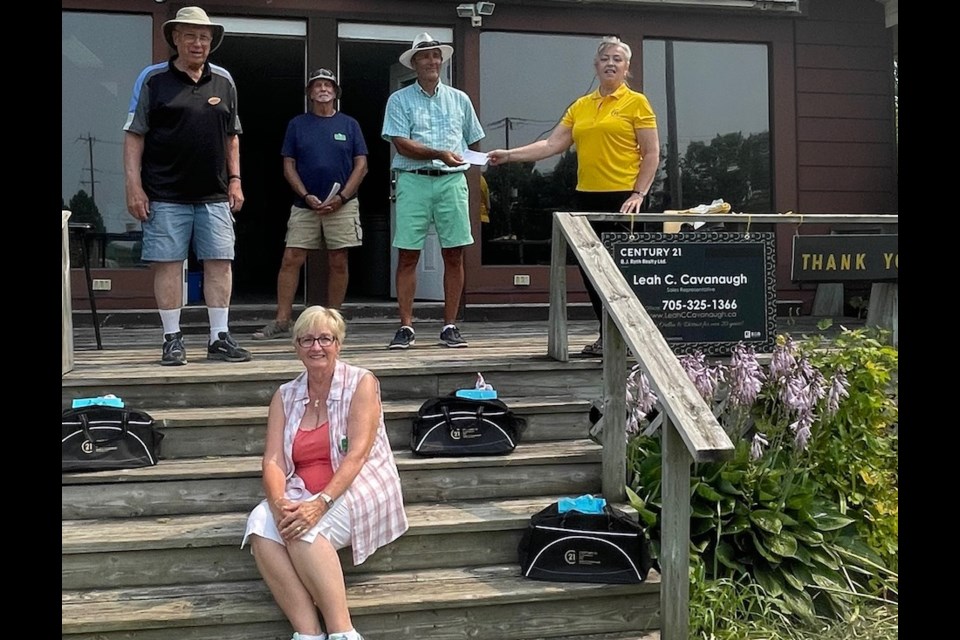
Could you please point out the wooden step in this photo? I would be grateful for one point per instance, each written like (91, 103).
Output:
(475, 602)
(136, 378)
(227, 431)
(171, 550)
(233, 483)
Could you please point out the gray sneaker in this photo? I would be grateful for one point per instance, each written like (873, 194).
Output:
(450, 337)
(226, 348)
(174, 353)
(404, 338)
(273, 330)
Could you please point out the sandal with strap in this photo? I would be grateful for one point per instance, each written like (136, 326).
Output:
(272, 331)
(595, 349)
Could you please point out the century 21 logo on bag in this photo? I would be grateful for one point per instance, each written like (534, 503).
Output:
(574, 556)
(465, 433)
(89, 448)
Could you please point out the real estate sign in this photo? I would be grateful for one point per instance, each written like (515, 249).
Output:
(705, 291)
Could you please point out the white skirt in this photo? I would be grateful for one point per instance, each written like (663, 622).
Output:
(334, 525)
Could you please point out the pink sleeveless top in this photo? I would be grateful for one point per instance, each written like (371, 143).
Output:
(311, 457)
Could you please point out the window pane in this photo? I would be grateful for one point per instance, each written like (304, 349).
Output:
(102, 56)
(721, 127)
(526, 84)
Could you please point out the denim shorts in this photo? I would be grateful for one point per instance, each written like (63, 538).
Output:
(170, 227)
(441, 200)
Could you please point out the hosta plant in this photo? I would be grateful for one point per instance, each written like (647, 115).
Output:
(807, 508)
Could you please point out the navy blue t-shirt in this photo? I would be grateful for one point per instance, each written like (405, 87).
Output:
(324, 149)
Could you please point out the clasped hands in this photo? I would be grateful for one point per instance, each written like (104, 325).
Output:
(296, 518)
(317, 205)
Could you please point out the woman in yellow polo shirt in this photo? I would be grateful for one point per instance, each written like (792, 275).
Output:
(618, 148)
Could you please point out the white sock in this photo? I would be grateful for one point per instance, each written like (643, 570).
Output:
(219, 321)
(447, 326)
(304, 636)
(345, 635)
(170, 319)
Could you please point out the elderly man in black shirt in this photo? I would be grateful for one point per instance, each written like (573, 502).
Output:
(182, 165)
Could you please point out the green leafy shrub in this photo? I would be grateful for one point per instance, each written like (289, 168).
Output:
(803, 521)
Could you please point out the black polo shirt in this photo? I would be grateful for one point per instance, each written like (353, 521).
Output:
(186, 127)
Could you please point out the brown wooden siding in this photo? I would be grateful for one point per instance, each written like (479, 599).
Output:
(846, 156)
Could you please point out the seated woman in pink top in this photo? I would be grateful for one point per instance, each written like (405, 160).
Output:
(330, 481)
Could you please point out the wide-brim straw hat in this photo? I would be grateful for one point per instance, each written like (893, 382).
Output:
(424, 42)
(195, 16)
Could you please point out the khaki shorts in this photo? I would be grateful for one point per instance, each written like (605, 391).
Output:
(338, 230)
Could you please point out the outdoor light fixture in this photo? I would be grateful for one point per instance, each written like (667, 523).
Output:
(475, 11)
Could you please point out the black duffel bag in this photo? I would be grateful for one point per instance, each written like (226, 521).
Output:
(101, 438)
(454, 426)
(607, 547)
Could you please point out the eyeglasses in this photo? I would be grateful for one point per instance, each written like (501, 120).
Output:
(325, 340)
(190, 38)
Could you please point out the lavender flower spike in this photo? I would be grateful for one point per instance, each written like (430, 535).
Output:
(783, 361)
(756, 447)
(801, 430)
(838, 391)
(746, 376)
(705, 378)
(639, 391)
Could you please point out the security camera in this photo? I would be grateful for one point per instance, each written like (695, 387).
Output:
(466, 10)
(486, 8)
(476, 21)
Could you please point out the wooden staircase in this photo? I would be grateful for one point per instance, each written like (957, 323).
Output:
(155, 553)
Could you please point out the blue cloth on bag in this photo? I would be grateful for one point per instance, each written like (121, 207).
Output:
(477, 394)
(103, 401)
(583, 504)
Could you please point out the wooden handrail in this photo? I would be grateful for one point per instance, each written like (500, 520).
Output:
(705, 439)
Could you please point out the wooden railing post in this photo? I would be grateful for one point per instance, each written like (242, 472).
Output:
(66, 305)
(674, 535)
(557, 345)
(614, 412)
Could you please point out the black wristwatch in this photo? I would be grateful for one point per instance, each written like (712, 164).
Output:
(344, 198)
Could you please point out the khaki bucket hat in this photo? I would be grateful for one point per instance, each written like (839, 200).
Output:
(194, 16)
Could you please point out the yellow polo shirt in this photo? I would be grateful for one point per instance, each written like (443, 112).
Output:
(604, 131)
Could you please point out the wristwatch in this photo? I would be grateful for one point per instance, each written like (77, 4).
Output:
(327, 499)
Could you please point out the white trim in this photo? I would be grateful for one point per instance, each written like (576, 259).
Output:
(390, 33)
(262, 26)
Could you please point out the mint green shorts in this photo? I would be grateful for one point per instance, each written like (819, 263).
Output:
(441, 200)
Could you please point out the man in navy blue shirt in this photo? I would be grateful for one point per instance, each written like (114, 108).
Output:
(181, 160)
(324, 161)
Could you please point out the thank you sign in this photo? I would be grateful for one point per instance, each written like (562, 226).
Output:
(838, 258)
(704, 291)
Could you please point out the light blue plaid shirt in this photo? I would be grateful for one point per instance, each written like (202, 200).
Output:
(445, 121)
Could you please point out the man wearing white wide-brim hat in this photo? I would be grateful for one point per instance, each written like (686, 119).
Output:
(181, 161)
(431, 125)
